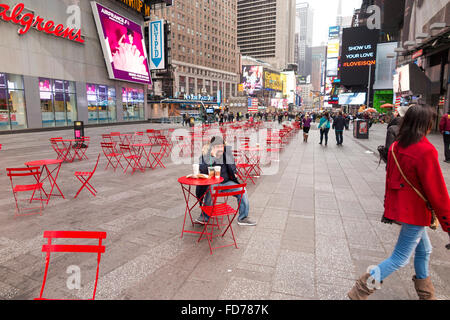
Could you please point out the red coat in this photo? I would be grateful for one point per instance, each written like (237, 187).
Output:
(444, 125)
(420, 165)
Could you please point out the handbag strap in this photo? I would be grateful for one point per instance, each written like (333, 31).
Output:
(404, 177)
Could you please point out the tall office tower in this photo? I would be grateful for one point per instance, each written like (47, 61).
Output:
(204, 46)
(266, 30)
(318, 60)
(305, 16)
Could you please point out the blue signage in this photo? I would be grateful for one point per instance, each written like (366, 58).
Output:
(333, 32)
(156, 30)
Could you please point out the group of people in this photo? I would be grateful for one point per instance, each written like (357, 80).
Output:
(416, 195)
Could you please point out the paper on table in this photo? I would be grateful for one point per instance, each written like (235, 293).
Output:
(199, 176)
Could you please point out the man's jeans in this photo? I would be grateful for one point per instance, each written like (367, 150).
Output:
(411, 239)
(447, 146)
(243, 209)
(339, 137)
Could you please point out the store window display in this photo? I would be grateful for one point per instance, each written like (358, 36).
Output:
(12, 102)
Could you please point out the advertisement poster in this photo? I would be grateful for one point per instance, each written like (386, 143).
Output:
(252, 79)
(272, 81)
(359, 52)
(123, 46)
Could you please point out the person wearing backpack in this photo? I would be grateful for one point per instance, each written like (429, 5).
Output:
(416, 197)
(324, 126)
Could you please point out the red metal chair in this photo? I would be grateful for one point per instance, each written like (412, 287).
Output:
(133, 159)
(81, 147)
(159, 155)
(50, 247)
(85, 177)
(113, 157)
(219, 211)
(243, 169)
(34, 172)
(62, 150)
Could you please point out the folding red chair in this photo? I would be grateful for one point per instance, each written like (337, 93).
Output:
(243, 169)
(17, 189)
(80, 148)
(50, 247)
(159, 155)
(133, 159)
(84, 178)
(138, 137)
(113, 157)
(62, 150)
(217, 213)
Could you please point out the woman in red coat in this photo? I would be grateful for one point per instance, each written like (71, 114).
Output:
(418, 159)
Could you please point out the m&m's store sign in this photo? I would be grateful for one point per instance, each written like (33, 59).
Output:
(27, 20)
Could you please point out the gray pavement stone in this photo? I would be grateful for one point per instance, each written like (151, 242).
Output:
(318, 229)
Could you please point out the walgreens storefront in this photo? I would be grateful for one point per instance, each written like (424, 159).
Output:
(68, 60)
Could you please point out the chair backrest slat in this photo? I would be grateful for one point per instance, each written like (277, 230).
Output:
(75, 234)
(73, 248)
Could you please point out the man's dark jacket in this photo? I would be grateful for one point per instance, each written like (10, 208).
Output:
(228, 162)
(339, 123)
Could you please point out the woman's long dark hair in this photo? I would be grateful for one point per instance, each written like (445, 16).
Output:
(415, 125)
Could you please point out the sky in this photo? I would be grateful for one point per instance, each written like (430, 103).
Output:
(325, 12)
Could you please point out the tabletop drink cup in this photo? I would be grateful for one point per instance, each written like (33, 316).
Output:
(196, 169)
(211, 172)
(217, 170)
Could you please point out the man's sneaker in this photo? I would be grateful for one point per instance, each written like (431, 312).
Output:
(201, 220)
(246, 222)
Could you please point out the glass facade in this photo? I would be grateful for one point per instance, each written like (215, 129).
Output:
(58, 102)
(101, 103)
(12, 102)
(133, 104)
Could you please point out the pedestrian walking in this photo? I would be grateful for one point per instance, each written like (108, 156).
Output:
(306, 126)
(415, 197)
(444, 128)
(324, 126)
(392, 132)
(339, 126)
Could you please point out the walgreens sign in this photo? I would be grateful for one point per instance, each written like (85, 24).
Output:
(26, 21)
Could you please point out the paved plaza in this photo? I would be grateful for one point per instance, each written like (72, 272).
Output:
(318, 228)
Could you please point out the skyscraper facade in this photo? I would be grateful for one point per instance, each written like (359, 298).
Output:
(204, 50)
(304, 15)
(266, 30)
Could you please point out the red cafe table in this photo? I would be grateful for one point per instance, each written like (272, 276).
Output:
(51, 178)
(186, 185)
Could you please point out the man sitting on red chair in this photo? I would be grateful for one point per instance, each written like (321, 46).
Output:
(217, 154)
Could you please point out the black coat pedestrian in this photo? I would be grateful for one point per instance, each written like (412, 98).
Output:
(339, 123)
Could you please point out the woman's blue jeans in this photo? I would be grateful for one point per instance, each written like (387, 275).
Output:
(412, 239)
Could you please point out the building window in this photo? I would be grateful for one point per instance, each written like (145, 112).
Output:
(133, 104)
(101, 103)
(12, 102)
(58, 102)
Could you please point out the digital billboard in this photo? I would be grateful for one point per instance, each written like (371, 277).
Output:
(333, 32)
(252, 79)
(123, 46)
(333, 48)
(332, 67)
(272, 81)
(359, 51)
(357, 98)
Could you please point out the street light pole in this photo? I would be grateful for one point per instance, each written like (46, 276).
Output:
(368, 88)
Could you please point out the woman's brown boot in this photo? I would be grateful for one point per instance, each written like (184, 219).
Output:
(360, 290)
(424, 288)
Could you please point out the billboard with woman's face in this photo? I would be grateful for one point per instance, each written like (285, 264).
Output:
(123, 46)
(252, 79)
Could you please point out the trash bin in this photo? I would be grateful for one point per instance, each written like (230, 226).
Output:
(78, 130)
(361, 129)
